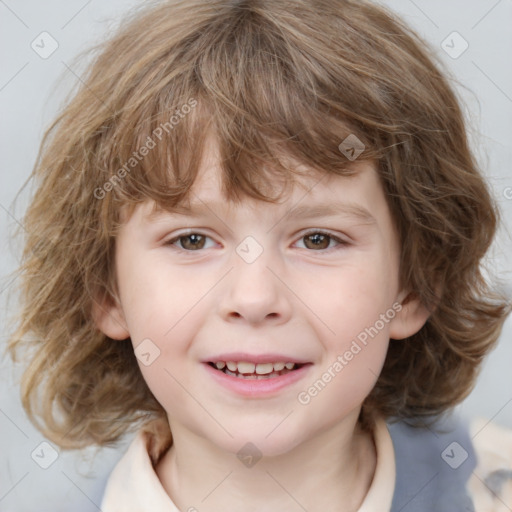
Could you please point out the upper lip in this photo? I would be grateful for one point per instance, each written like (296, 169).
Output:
(255, 358)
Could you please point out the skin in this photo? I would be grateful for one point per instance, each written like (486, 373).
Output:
(294, 298)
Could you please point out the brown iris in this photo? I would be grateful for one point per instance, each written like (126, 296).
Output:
(319, 241)
(196, 241)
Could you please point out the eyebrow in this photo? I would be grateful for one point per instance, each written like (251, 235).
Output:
(198, 209)
(333, 209)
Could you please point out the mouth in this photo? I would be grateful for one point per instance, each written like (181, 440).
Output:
(251, 371)
(257, 380)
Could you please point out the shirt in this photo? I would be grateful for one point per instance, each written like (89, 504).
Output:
(433, 466)
(415, 472)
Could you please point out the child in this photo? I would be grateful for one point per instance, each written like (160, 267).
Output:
(256, 240)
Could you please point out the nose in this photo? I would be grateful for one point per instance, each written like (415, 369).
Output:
(255, 293)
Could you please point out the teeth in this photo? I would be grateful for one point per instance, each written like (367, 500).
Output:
(248, 368)
(251, 368)
(252, 376)
(263, 368)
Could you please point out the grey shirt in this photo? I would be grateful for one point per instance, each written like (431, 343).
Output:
(433, 465)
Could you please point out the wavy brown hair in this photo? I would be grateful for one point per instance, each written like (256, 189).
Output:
(276, 81)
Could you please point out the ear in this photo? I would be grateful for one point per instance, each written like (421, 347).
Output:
(109, 318)
(410, 318)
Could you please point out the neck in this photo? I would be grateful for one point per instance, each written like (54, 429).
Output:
(332, 471)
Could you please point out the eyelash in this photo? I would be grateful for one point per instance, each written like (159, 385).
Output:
(340, 243)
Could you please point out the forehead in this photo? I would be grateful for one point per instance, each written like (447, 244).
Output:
(288, 187)
(313, 193)
(298, 180)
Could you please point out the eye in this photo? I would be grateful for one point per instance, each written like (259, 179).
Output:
(315, 240)
(321, 240)
(189, 241)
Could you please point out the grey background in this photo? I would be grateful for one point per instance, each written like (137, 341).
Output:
(31, 89)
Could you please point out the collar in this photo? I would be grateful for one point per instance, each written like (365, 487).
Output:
(133, 485)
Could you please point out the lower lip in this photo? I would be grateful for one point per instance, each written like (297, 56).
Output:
(257, 388)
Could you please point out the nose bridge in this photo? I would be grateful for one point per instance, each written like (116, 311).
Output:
(253, 293)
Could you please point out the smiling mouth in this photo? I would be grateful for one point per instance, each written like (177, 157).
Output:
(254, 375)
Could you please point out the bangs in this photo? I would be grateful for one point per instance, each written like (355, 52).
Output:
(271, 113)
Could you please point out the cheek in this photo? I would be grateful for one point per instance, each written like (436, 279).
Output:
(350, 299)
(158, 301)
(163, 311)
(354, 329)
(343, 384)
(363, 328)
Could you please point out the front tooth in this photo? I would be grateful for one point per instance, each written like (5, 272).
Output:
(289, 365)
(220, 365)
(262, 368)
(231, 365)
(278, 367)
(246, 367)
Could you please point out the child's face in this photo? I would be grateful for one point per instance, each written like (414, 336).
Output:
(307, 302)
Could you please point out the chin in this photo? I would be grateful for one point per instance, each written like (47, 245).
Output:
(259, 443)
